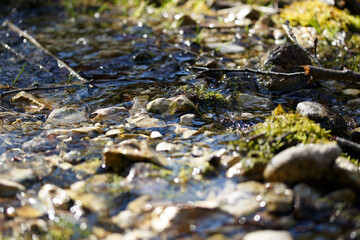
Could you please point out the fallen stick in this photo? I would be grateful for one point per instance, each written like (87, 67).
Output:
(24, 34)
(345, 75)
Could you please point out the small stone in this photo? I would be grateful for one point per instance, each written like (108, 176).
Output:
(227, 48)
(119, 156)
(187, 119)
(268, 235)
(166, 147)
(346, 196)
(88, 130)
(139, 106)
(28, 211)
(53, 196)
(110, 114)
(189, 133)
(346, 173)
(146, 122)
(302, 162)
(9, 188)
(181, 104)
(155, 134)
(323, 115)
(66, 116)
(279, 198)
(158, 106)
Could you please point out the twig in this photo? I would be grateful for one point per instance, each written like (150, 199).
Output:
(7, 47)
(249, 70)
(14, 28)
(345, 75)
(4, 94)
(293, 38)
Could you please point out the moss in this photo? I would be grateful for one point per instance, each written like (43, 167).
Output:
(204, 97)
(318, 15)
(278, 132)
(67, 228)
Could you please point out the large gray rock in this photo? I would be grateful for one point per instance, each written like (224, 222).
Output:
(285, 58)
(268, 235)
(323, 115)
(121, 155)
(302, 162)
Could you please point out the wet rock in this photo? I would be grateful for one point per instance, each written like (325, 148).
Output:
(189, 133)
(186, 20)
(323, 115)
(88, 130)
(285, 58)
(346, 173)
(302, 162)
(28, 211)
(119, 156)
(278, 198)
(20, 175)
(333, 86)
(30, 103)
(96, 203)
(139, 106)
(244, 102)
(110, 115)
(187, 119)
(146, 122)
(241, 200)
(181, 104)
(66, 116)
(345, 196)
(268, 235)
(38, 144)
(9, 188)
(53, 196)
(246, 167)
(158, 106)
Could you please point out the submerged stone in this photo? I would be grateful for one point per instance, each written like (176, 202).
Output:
(66, 116)
(121, 155)
(302, 162)
(245, 102)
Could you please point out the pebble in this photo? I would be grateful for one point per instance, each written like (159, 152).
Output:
(268, 235)
(302, 162)
(9, 188)
(119, 156)
(187, 119)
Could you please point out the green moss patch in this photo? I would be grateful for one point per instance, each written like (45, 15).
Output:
(278, 132)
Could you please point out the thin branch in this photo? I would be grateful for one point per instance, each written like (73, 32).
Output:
(249, 70)
(293, 38)
(24, 34)
(31, 89)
